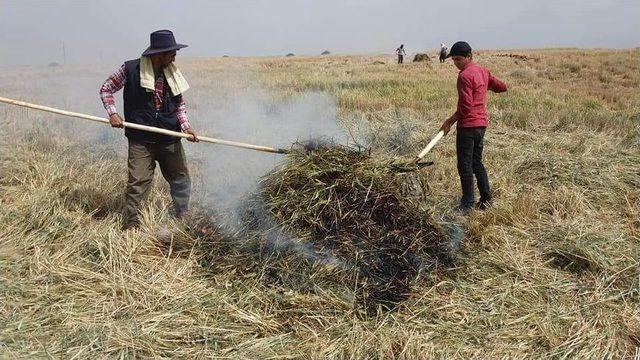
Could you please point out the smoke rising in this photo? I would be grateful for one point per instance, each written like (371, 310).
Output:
(231, 106)
(231, 174)
(226, 105)
(73, 88)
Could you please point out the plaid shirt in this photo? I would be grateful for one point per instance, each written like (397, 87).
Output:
(116, 81)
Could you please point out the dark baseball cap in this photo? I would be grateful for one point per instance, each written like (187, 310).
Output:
(460, 48)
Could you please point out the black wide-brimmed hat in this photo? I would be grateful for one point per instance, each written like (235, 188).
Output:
(460, 48)
(162, 41)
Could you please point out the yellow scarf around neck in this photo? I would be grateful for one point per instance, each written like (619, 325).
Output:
(175, 79)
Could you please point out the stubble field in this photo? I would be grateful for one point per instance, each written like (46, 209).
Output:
(550, 271)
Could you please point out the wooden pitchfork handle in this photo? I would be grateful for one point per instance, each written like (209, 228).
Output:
(145, 128)
(429, 146)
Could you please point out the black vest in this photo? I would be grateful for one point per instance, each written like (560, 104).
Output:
(140, 108)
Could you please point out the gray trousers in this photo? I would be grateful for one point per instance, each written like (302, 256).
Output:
(142, 160)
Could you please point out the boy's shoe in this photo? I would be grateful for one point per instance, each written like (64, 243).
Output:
(483, 204)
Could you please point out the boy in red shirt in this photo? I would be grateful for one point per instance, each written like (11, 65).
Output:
(471, 116)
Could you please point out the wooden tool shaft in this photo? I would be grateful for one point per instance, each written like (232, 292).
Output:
(431, 144)
(144, 127)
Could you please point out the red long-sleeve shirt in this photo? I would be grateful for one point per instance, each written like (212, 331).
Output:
(473, 83)
(116, 81)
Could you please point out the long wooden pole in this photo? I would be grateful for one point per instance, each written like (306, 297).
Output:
(430, 145)
(145, 128)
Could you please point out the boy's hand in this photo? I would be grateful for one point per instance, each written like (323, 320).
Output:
(446, 127)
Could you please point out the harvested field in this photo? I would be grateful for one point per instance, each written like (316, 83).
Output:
(515, 56)
(550, 271)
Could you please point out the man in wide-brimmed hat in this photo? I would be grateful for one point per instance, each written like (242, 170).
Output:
(153, 88)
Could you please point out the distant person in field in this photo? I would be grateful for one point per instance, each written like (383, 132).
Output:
(401, 53)
(153, 96)
(443, 52)
(471, 117)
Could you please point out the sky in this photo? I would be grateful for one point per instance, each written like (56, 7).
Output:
(34, 32)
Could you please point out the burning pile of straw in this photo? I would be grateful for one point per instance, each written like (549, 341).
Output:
(346, 203)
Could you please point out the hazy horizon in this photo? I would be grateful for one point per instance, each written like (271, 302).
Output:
(34, 32)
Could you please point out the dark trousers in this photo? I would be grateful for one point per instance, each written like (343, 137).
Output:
(469, 151)
(400, 58)
(142, 163)
(442, 57)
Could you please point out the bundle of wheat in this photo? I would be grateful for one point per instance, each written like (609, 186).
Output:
(421, 57)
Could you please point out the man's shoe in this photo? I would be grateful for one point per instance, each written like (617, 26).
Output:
(130, 226)
(183, 215)
(464, 210)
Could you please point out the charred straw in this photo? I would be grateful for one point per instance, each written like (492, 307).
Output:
(345, 202)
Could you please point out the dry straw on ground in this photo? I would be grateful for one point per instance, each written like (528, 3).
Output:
(551, 271)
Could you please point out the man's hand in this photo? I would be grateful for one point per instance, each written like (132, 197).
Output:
(446, 126)
(116, 121)
(193, 137)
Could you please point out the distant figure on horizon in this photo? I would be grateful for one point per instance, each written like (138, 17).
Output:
(443, 52)
(401, 53)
